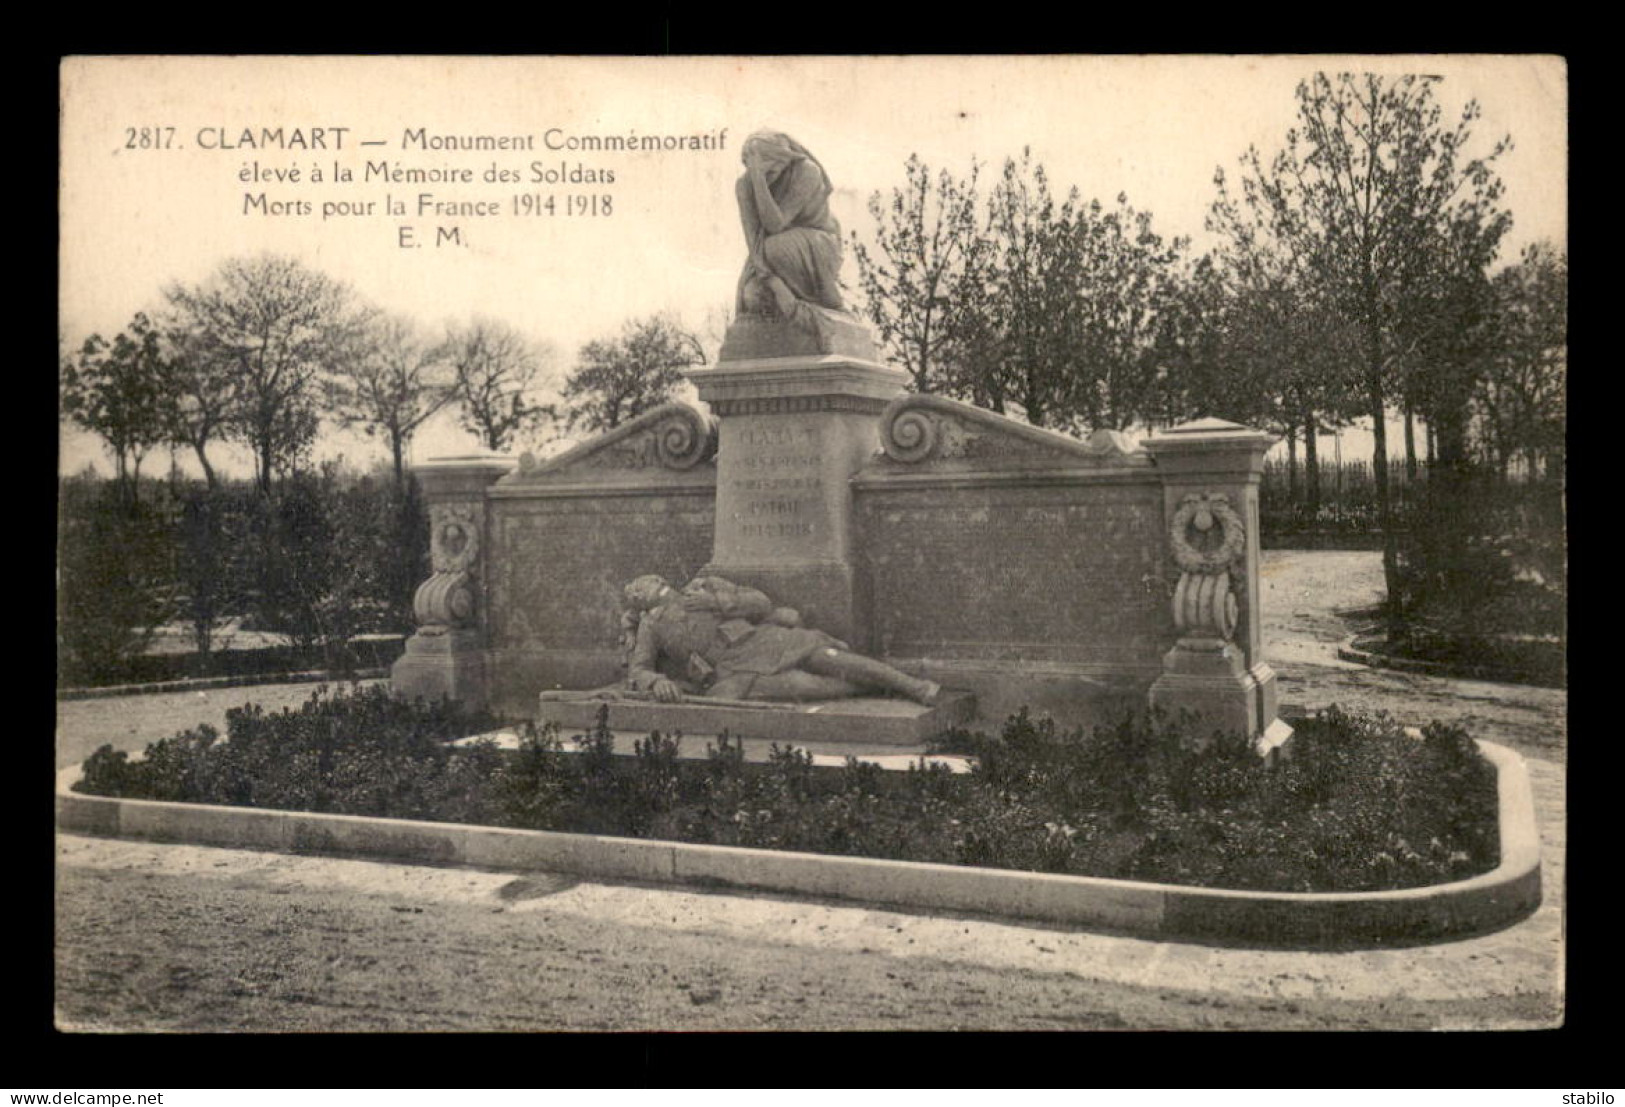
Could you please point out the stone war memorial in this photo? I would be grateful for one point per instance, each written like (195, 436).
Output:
(825, 556)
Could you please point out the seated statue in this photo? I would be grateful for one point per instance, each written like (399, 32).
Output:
(794, 242)
(719, 639)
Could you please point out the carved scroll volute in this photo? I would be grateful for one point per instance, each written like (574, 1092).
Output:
(672, 436)
(927, 428)
(908, 434)
(448, 597)
(1208, 540)
(677, 437)
(684, 438)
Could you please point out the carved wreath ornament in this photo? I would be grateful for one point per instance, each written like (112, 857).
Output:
(446, 599)
(1204, 604)
(456, 537)
(1199, 511)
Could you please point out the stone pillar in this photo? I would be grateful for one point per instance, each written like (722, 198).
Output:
(447, 654)
(1210, 473)
(792, 431)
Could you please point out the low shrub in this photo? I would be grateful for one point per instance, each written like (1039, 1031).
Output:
(355, 752)
(1361, 805)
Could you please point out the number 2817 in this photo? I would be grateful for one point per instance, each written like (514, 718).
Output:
(149, 138)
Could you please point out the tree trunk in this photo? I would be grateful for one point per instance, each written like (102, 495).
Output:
(1311, 464)
(1453, 521)
(204, 598)
(1410, 445)
(1034, 405)
(209, 476)
(1452, 420)
(1433, 453)
(1385, 510)
(263, 455)
(1292, 465)
(1385, 513)
(398, 449)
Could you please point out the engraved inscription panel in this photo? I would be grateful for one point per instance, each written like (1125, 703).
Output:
(773, 495)
(560, 564)
(1041, 574)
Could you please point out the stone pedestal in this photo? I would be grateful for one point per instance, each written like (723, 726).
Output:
(1210, 471)
(443, 662)
(448, 654)
(863, 720)
(752, 336)
(793, 429)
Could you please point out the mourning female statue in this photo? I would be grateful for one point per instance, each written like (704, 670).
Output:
(794, 242)
(718, 639)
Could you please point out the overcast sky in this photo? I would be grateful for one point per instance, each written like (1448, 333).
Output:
(134, 218)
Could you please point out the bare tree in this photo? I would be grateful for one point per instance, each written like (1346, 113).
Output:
(197, 400)
(1521, 396)
(1018, 292)
(1369, 187)
(395, 382)
(1128, 277)
(280, 326)
(923, 233)
(496, 371)
(620, 378)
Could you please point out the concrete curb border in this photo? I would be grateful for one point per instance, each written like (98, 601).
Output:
(196, 684)
(1492, 900)
(1347, 651)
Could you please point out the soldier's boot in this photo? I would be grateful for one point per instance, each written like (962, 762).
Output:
(874, 674)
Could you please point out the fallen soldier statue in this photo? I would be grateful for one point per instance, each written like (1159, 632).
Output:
(719, 640)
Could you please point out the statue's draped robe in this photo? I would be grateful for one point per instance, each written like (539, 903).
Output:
(806, 255)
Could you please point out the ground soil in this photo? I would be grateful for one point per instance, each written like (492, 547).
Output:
(166, 937)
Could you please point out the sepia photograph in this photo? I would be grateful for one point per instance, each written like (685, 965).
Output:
(811, 543)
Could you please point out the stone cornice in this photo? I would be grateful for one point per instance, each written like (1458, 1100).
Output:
(827, 375)
(1209, 450)
(925, 429)
(886, 476)
(671, 437)
(703, 483)
(777, 405)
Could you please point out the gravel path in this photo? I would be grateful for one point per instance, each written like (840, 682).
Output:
(246, 941)
(1301, 595)
(234, 940)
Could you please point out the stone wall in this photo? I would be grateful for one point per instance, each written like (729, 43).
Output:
(1025, 566)
(560, 561)
(1030, 568)
(566, 535)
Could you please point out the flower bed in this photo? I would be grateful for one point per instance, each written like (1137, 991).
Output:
(1360, 806)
